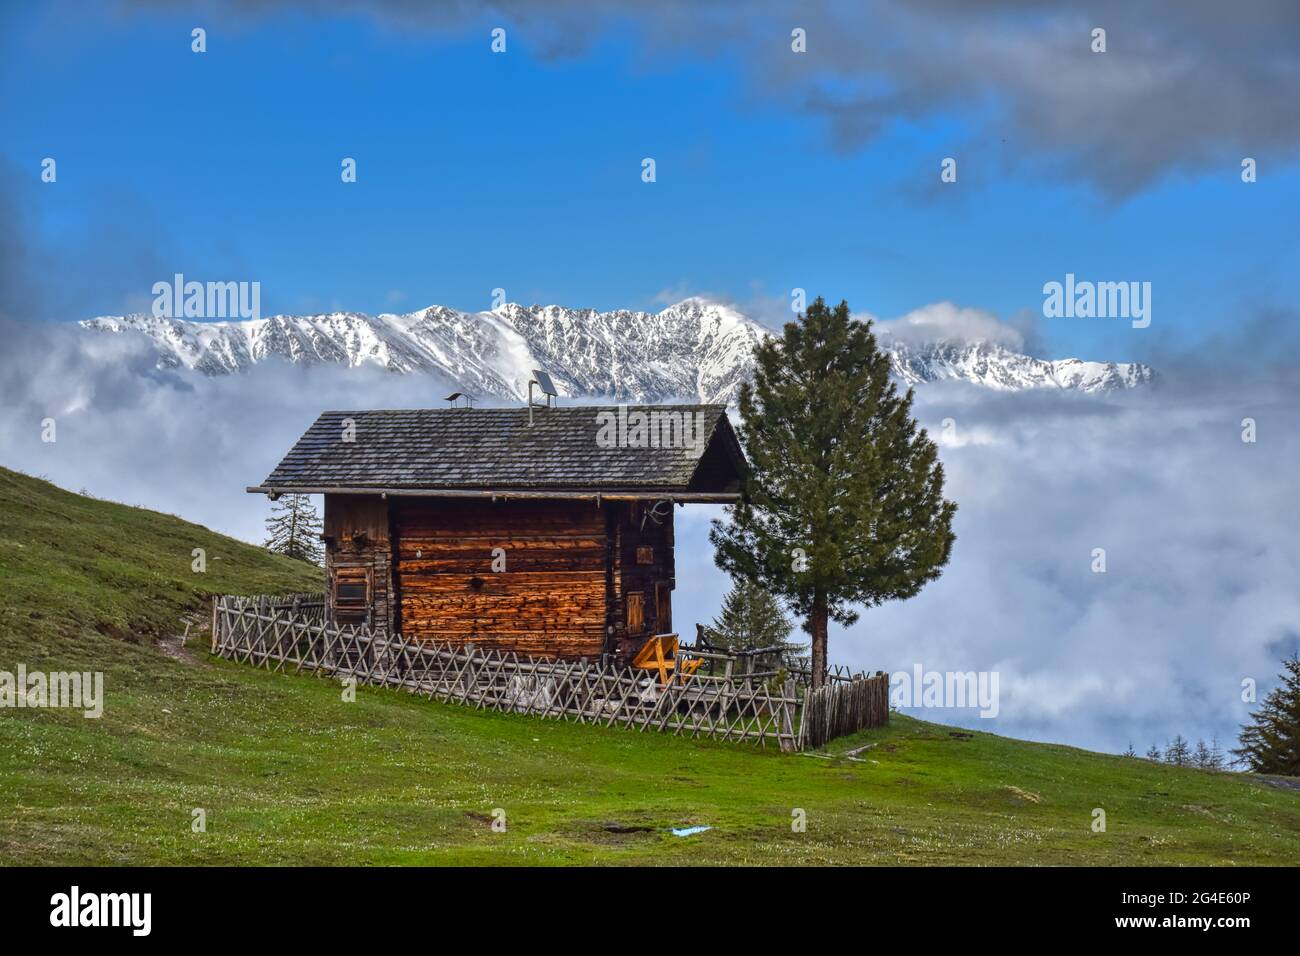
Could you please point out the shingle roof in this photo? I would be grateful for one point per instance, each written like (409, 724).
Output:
(484, 449)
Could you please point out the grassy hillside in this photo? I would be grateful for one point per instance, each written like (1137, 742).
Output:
(77, 570)
(289, 773)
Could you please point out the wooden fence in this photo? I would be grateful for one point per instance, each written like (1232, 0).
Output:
(308, 608)
(292, 634)
(761, 665)
(839, 708)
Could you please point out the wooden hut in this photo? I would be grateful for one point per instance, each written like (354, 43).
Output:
(546, 531)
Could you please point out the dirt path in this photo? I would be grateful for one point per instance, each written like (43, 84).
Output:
(173, 645)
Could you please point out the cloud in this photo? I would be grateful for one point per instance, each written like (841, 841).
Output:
(680, 292)
(172, 441)
(1181, 89)
(1199, 590)
(947, 322)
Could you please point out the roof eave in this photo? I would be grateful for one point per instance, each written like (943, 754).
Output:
(680, 495)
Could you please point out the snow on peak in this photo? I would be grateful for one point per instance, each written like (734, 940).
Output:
(697, 349)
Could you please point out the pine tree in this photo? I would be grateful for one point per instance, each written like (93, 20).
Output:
(1271, 742)
(843, 504)
(1216, 755)
(1130, 752)
(1201, 755)
(750, 619)
(1178, 753)
(294, 528)
(1154, 754)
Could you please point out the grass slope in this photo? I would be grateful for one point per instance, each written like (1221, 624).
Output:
(287, 772)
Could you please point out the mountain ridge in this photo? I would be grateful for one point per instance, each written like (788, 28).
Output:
(696, 349)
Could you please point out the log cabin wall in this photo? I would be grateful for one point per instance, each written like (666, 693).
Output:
(578, 580)
(550, 599)
(358, 560)
(643, 574)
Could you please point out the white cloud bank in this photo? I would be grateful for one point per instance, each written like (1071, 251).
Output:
(1202, 563)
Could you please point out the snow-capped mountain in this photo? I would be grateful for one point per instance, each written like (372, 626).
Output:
(996, 366)
(695, 349)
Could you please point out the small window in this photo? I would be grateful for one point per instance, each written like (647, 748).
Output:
(645, 555)
(351, 593)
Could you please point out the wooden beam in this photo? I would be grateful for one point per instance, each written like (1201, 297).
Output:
(649, 494)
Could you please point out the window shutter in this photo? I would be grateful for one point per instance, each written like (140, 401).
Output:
(635, 612)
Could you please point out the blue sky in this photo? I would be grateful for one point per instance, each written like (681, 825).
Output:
(522, 171)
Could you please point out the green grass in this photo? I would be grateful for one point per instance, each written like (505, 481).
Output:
(289, 773)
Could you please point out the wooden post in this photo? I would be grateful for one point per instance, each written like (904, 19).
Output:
(787, 717)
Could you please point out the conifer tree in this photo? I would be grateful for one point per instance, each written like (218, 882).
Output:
(294, 528)
(1271, 742)
(1154, 754)
(843, 504)
(1217, 760)
(750, 619)
(1178, 753)
(1130, 752)
(1201, 755)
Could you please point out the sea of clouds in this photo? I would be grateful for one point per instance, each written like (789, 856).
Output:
(1199, 591)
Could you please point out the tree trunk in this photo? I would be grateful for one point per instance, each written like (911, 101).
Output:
(818, 620)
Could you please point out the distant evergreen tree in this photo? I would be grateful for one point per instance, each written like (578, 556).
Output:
(1271, 742)
(294, 529)
(1130, 752)
(1178, 752)
(1208, 756)
(752, 618)
(1154, 754)
(1217, 760)
(1201, 755)
(844, 501)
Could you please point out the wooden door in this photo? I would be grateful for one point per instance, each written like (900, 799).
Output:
(664, 607)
